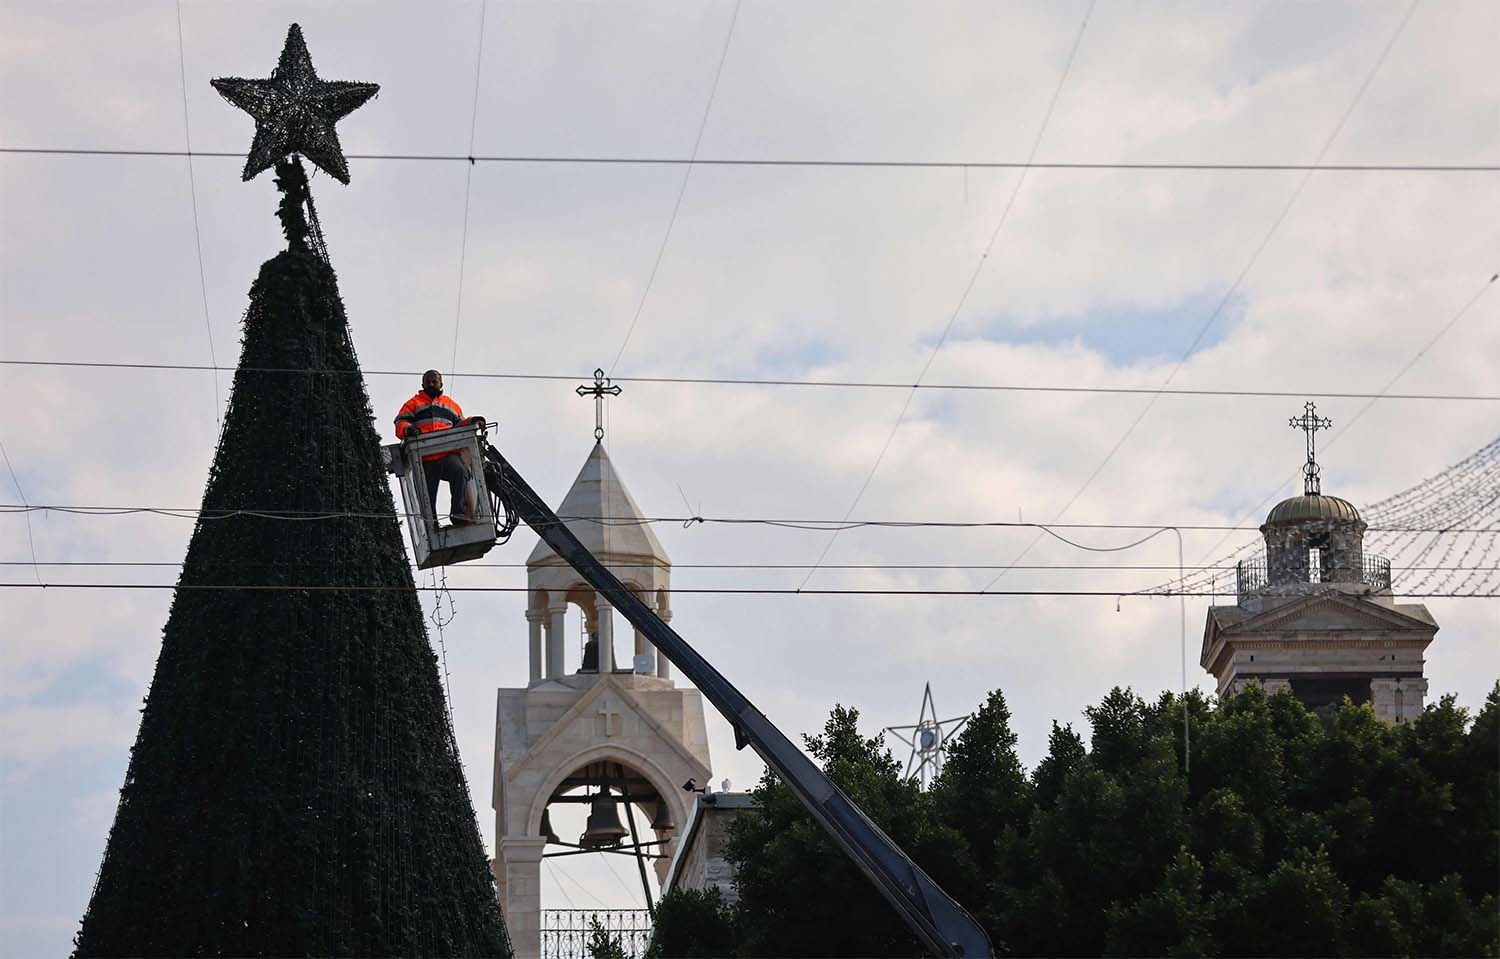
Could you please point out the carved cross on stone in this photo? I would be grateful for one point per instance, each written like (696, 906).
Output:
(609, 719)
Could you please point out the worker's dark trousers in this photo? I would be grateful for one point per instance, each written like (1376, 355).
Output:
(450, 469)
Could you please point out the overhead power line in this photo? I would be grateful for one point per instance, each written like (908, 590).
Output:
(877, 567)
(1145, 166)
(729, 591)
(1228, 296)
(30, 542)
(768, 382)
(687, 175)
(463, 243)
(963, 297)
(187, 137)
(817, 525)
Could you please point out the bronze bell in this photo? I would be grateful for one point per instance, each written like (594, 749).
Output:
(662, 821)
(603, 827)
(547, 832)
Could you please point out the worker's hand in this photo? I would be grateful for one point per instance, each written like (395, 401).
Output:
(412, 432)
(477, 421)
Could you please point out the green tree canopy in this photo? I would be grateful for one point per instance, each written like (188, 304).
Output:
(1292, 833)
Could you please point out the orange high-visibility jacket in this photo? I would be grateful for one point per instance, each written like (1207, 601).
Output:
(430, 414)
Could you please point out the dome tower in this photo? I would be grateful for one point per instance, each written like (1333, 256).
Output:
(1315, 614)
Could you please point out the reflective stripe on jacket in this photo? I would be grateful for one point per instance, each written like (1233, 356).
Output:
(429, 414)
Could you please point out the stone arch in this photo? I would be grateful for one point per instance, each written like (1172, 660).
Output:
(659, 778)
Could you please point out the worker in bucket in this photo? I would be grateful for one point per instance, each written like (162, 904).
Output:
(428, 411)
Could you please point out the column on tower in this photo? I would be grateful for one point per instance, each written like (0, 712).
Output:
(535, 650)
(605, 613)
(557, 611)
(643, 646)
(663, 664)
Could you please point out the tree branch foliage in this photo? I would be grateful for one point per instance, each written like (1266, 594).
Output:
(1292, 835)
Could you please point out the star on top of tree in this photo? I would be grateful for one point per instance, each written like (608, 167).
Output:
(295, 111)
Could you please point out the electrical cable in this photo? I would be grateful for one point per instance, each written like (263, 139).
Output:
(1144, 166)
(558, 883)
(463, 243)
(187, 133)
(1234, 287)
(817, 525)
(963, 298)
(722, 591)
(880, 567)
(30, 542)
(687, 175)
(1462, 311)
(750, 381)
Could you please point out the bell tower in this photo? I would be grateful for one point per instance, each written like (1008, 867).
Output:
(596, 726)
(1316, 614)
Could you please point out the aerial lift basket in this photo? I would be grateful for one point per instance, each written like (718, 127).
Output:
(435, 539)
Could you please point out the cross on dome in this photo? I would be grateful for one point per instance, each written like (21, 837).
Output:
(1310, 422)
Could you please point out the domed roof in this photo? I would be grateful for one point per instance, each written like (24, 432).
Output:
(1314, 507)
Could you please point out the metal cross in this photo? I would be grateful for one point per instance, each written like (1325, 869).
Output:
(1310, 422)
(599, 391)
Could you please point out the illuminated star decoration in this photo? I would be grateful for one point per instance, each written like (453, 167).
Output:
(928, 740)
(295, 112)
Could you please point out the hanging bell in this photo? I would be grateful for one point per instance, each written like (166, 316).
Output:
(547, 832)
(603, 827)
(662, 821)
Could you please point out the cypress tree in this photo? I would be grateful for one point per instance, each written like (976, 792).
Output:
(295, 787)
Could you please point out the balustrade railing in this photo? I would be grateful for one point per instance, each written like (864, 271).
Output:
(1254, 576)
(566, 933)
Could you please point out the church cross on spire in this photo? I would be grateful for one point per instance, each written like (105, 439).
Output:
(1309, 422)
(601, 388)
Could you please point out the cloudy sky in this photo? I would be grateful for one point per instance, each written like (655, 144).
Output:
(1334, 281)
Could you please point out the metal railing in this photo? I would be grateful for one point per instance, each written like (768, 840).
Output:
(1253, 575)
(566, 932)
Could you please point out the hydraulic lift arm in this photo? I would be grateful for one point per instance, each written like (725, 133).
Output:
(942, 924)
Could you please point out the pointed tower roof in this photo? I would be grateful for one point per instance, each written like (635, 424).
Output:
(598, 491)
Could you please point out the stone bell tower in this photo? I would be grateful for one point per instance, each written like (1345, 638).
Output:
(608, 731)
(1316, 614)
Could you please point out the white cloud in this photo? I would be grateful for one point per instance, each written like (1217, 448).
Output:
(836, 273)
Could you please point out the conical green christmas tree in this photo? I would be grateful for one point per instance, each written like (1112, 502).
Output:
(295, 788)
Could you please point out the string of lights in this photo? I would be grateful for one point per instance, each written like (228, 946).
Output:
(1451, 510)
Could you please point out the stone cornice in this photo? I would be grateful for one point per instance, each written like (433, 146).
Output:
(1363, 614)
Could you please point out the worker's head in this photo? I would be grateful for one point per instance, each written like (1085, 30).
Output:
(432, 383)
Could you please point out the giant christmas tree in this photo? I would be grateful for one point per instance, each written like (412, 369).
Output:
(295, 788)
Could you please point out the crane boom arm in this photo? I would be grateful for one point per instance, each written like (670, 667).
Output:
(940, 922)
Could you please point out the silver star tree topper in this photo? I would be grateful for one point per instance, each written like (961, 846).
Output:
(295, 111)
